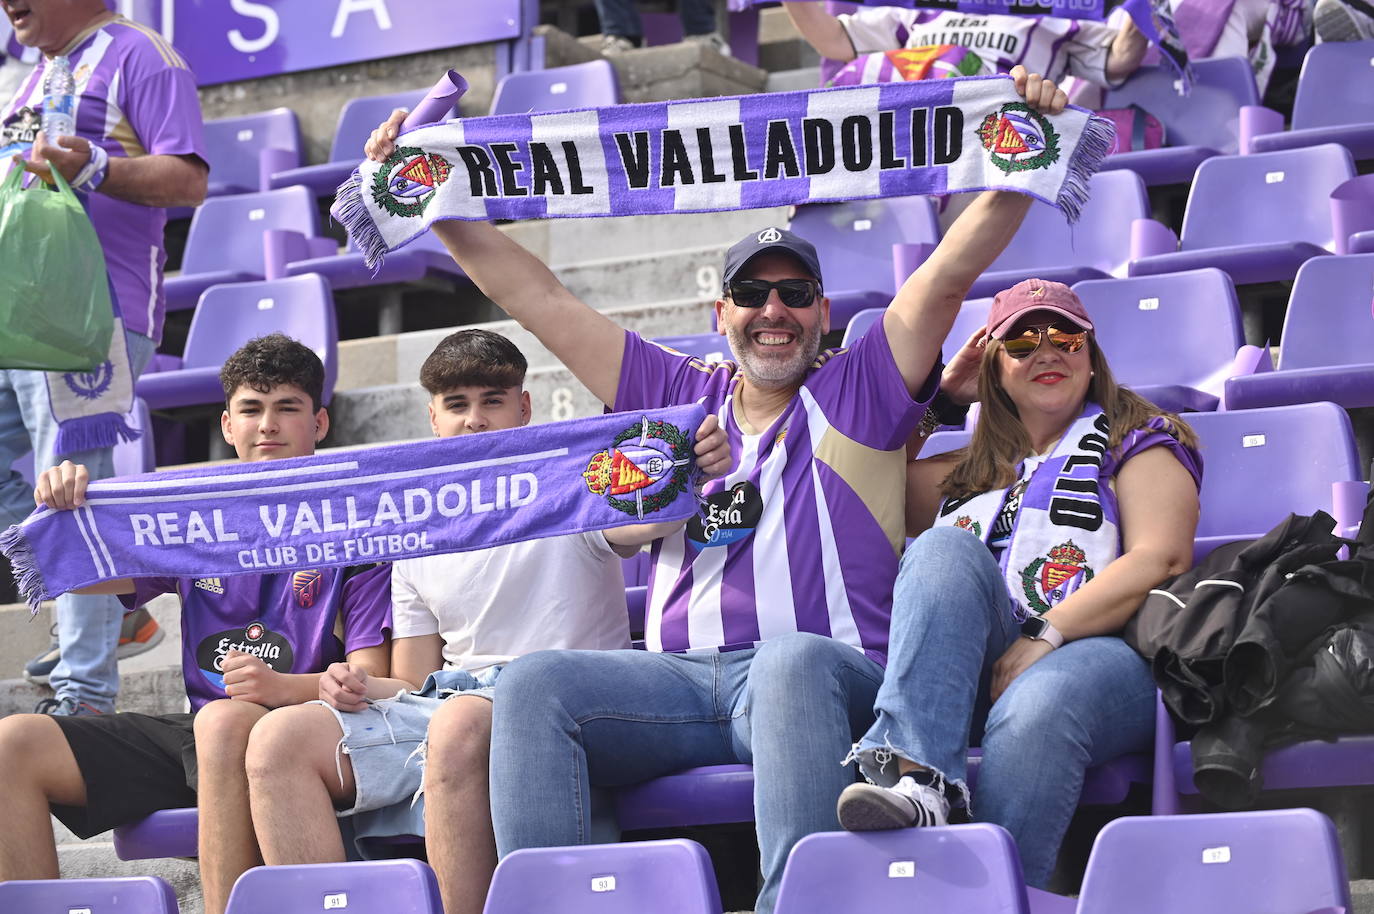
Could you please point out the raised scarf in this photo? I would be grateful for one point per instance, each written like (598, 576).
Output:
(941, 137)
(1065, 531)
(378, 504)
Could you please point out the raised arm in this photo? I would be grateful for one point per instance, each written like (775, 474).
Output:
(921, 314)
(586, 341)
(821, 29)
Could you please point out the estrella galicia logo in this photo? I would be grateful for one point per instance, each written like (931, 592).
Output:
(407, 180)
(1019, 138)
(255, 638)
(89, 385)
(727, 517)
(650, 461)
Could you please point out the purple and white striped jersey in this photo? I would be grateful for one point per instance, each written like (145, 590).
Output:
(805, 533)
(135, 97)
(1047, 45)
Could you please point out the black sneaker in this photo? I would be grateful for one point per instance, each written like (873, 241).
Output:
(917, 799)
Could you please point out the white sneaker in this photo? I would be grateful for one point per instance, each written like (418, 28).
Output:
(908, 803)
(1335, 20)
(713, 40)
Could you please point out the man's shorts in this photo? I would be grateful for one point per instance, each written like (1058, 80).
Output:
(386, 740)
(132, 765)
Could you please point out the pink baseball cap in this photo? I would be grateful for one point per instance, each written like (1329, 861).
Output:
(1034, 295)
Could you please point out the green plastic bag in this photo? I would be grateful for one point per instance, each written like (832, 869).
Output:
(55, 309)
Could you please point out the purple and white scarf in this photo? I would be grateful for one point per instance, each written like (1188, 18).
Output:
(1064, 532)
(705, 155)
(379, 504)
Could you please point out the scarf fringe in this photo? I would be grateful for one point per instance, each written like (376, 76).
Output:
(89, 433)
(350, 211)
(16, 547)
(1098, 139)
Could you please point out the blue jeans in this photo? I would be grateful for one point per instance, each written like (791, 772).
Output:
(620, 17)
(567, 721)
(1081, 705)
(87, 626)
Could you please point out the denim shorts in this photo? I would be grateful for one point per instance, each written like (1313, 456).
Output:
(386, 740)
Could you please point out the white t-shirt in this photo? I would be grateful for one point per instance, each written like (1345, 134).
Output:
(493, 605)
(1046, 45)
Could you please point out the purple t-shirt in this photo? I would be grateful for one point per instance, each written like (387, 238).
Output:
(135, 97)
(805, 533)
(296, 622)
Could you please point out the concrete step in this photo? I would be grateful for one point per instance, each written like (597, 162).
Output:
(396, 359)
(794, 80)
(89, 859)
(23, 636)
(781, 46)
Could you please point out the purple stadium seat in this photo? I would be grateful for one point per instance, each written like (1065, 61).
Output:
(1335, 101)
(1097, 247)
(1328, 340)
(1195, 312)
(1258, 217)
(666, 877)
(1293, 454)
(357, 120)
(371, 887)
(855, 242)
(858, 324)
(1203, 124)
(166, 833)
(709, 347)
(944, 442)
(124, 895)
(1310, 765)
(584, 85)
(971, 869)
(302, 307)
(1274, 860)
(225, 243)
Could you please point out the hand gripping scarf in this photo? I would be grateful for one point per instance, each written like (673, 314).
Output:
(379, 504)
(702, 155)
(1065, 531)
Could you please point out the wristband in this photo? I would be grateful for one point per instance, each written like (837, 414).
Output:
(93, 173)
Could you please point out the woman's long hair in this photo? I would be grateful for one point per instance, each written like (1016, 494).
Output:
(1000, 442)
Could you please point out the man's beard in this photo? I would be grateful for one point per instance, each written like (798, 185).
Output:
(773, 372)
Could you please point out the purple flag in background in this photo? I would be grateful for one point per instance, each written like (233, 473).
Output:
(378, 504)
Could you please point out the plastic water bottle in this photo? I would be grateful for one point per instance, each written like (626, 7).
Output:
(59, 99)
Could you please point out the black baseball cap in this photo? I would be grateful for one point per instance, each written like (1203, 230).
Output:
(770, 239)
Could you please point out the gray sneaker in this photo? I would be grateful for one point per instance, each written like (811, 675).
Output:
(612, 45)
(66, 707)
(917, 799)
(1336, 20)
(713, 40)
(138, 632)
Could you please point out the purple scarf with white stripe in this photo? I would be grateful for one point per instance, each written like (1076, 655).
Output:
(705, 155)
(380, 504)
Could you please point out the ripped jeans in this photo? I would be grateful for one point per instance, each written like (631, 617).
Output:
(385, 742)
(1081, 705)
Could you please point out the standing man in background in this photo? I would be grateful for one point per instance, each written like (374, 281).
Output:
(138, 148)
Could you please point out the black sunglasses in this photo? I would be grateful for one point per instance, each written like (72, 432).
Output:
(753, 293)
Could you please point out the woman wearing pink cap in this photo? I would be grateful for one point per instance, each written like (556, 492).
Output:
(1036, 543)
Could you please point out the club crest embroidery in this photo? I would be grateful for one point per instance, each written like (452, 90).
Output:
(964, 522)
(305, 587)
(1018, 138)
(647, 466)
(935, 61)
(89, 385)
(408, 179)
(1049, 579)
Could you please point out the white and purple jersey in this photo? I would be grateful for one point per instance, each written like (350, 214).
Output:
(805, 533)
(1047, 45)
(135, 96)
(296, 622)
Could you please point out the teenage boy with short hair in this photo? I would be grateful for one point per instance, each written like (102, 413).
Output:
(464, 615)
(101, 771)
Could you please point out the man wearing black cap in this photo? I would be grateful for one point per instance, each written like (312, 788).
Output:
(768, 615)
